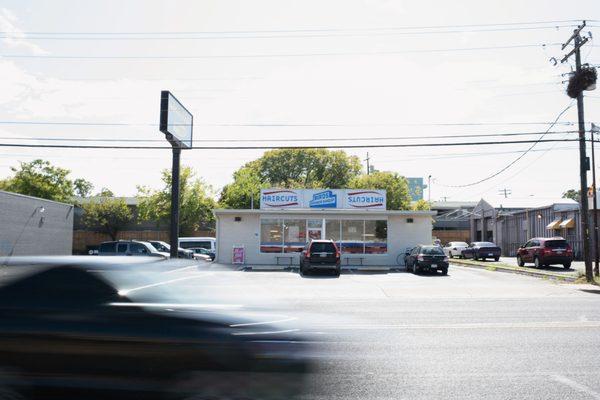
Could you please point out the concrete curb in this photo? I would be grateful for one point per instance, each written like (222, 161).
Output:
(272, 268)
(517, 270)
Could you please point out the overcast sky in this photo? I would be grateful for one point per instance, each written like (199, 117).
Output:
(343, 69)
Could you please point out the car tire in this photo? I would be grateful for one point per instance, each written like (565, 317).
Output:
(444, 271)
(567, 265)
(416, 269)
(337, 272)
(496, 258)
(303, 270)
(536, 262)
(520, 261)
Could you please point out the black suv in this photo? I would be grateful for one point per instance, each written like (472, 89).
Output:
(320, 255)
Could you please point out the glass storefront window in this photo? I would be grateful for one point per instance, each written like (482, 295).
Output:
(294, 235)
(315, 229)
(271, 236)
(352, 236)
(375, 237)
(333, 231)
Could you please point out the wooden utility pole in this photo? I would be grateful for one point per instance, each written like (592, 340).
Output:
(583, 160)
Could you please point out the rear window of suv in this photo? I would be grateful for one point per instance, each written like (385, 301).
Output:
(320, 247)
(556, 244)
(434, 250)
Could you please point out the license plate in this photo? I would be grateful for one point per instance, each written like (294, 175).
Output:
(433, 265)
(323, 254)
(490, 254)
(558, 251)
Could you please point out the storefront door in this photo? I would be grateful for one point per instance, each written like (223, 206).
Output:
(314, 229)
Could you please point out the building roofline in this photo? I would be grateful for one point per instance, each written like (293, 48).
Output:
(229, 211)
(36, 198)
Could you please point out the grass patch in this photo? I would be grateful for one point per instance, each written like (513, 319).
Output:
(581, 280)
(491, 268)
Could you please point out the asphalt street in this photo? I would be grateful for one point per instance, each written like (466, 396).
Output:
(473, 334)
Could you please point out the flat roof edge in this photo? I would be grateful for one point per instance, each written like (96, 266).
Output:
(226, 211)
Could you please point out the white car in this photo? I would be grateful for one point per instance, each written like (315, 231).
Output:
(454, 249)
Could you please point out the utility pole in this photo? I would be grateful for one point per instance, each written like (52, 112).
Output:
(368, 165)
(596, 252)
(429, 189)
(583, 160)
(505, 192)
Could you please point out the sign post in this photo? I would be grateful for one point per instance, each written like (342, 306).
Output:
(176, 122)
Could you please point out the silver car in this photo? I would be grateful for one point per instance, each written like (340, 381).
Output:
(454, 249)
(130, 248)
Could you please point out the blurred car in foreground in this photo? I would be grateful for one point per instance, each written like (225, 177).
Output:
(69, 332)
(130, 248)
(481, 251)
(166, 248)
(426, 258)
(545, 251)
(454, 249)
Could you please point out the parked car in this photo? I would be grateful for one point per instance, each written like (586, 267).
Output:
(200, 251)
(426, 258)
(130, 248)
(481, 251)
(545, 251)
(69, 332)
(320, 255)
(454, 249)
(165, 247)
(208, 243)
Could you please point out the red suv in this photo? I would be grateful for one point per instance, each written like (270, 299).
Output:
(545, 251)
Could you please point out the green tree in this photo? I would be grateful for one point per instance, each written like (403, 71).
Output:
(396, 186)
(82, 187)
(39, 178)
(107, 216)
(571, 194)
(289, 168)
(245, 187)
(421, 205)
(196, 203)
(105, 192)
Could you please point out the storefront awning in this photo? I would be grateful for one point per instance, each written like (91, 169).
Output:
(567, 223)
(554, 224)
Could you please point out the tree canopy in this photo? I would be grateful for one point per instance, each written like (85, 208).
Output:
(108, 215)
(290, 168)
(196, 203)
(41, 179)
(396, 186)
(572, 194)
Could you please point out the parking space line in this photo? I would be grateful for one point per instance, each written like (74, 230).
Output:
(125, 292)
(575, 385)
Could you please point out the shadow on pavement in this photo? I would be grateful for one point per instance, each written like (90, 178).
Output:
(593, 291)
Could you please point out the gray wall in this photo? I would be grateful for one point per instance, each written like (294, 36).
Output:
(32, 232)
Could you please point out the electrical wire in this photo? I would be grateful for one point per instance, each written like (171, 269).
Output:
(230, 56)
(344, 139)
(359, 146)
(519, 157)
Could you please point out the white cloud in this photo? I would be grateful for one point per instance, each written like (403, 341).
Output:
(13, 36)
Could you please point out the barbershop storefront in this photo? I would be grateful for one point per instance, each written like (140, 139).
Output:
(356, 220)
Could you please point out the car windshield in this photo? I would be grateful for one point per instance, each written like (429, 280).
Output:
(556, 244)
(431, 250)
(459, 244)
(322, 247)
(484, 244)
(205, 244)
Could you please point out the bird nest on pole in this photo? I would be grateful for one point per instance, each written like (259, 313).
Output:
(585, 79)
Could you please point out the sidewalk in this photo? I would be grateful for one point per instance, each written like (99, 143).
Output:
(509, 264)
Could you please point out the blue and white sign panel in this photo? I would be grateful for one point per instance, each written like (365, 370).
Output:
(348, 199)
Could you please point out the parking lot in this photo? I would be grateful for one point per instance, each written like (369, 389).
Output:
(473, 334)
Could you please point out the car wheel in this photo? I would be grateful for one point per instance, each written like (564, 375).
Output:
(520, 261)
(444, 271)
(567, 265)
(496, 258)
(536, 262)
(337, 272)
(303, 269)
(416, 269)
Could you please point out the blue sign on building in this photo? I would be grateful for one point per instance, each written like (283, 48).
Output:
(324, 199)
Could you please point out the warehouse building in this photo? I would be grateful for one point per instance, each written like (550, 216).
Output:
(33, 226)
(357, 220)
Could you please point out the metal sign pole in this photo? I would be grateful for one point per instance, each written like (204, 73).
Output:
(174, 242)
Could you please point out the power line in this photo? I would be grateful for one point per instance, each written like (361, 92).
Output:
(230, 56)
(299, 30)
(296, 35)
(519, 157)
(283, 124)
(449, 136)
(361, 146)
